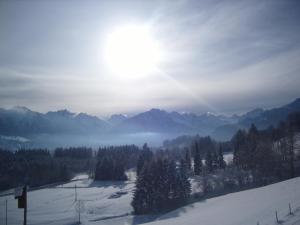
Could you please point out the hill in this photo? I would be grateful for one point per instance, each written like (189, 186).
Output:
(109, 203)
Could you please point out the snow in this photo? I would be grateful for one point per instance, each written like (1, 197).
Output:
(56, 205)
(109, 203)
(80, 177)
(245, 207)
(14, 138)
(228, 158)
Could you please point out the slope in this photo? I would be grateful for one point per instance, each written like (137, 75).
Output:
(245, 207)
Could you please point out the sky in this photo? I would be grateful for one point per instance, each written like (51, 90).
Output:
(218, 56)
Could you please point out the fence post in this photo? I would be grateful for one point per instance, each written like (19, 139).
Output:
(25, 206)
(79, 210)
(276, 216)
(6, 212)
(75, 193)
(290, 209)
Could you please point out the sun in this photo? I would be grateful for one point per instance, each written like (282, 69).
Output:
(132, 50)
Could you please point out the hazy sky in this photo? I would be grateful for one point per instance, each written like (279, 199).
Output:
(220, 56)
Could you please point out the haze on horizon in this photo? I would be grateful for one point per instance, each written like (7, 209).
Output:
(217, 56)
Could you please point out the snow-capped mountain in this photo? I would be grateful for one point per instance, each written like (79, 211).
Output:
(264, 118)
(261, 118)
(21, 121)
(116, 119)
(156, 120)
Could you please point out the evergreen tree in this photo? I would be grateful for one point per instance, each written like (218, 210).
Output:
(64, 173)
(145, 156)
(209, 162)
(239, 149)
(142, 201)
(118, 172)
(221, 161)
(160, 186)
(291, 152)
(197, 160)
(215, 163)
(188, 162)
(251, 150)
(184, 185)
(108, 169)
(265, 165)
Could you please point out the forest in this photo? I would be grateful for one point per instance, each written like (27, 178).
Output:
(164, 176)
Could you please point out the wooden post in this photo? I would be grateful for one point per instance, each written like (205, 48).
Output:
(25, 204)
(6, 212)
(75, 193)
(276, 216)
(290, 209)
(21, 195)
(79, 210)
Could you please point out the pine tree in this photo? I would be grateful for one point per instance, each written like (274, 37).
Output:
(215, 164)
(291, 152)
(184, 185)
(197, 160)
(251, 150)
(221, 161)
(145, 156)
(119, 172)
(142, 196)
(64, 173)
(109, 169)
(209, 162)
(188, 159)
(160, 186)
(239, 149)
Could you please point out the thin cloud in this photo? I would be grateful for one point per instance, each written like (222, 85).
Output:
(222, 56)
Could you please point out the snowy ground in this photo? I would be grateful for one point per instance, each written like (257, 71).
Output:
(109, 203)
(245, 207)
(228, 158)
(104, 203)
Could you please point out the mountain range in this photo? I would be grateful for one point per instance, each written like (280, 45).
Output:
(21, 121)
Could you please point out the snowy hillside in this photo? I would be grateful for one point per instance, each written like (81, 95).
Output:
(109, 203)
(245, 207)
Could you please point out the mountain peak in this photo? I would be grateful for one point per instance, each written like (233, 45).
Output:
(155, 110)
(117, 118)
(63, 112)
(21, 109)
(254, 113)
(294, 104)
(83, 115)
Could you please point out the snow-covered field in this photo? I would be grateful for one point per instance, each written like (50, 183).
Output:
(109, 203)
(103, 203)
(245, 207)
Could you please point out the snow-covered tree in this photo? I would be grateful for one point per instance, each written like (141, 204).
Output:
(197, 160)
(160, 186)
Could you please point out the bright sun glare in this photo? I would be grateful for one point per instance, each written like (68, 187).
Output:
(132, 50)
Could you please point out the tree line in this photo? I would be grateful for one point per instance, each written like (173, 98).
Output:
(33, 167)
(114, 160)
(269, 155)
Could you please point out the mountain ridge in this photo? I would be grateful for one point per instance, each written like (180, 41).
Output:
(21, 121)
